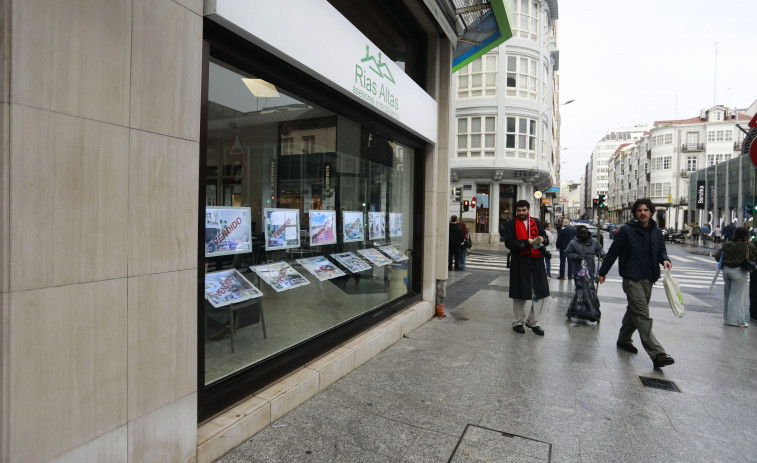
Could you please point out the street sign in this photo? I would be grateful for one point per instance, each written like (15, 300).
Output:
(473, 202)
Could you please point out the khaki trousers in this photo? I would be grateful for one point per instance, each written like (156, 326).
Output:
(637, 317)
(519, 312)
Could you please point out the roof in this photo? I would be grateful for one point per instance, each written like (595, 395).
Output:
(742, 116)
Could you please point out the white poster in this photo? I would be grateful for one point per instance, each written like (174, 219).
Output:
(321, 268)
(280, 275)
(394, 253)
(375, 257)
(395, 224)
(282, 228)
(322, 227)
(227, 230)
(376, 225)
(353, 226)
(228, 287)
(351, 262)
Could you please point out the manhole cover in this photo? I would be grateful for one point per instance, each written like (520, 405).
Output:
(485, 444)
(658, 383)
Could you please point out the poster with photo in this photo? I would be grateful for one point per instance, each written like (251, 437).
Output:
(228, 287)
(394, 253)
(227, 230)
(395, 224)
(280, 275)
(282, 228)
(376, 225)
(322, 227)
(375, 256)
(321, 268)
(353, 226)
(351, 262)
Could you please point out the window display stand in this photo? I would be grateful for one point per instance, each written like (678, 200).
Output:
(234, 317)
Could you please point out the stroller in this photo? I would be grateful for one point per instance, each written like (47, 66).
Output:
(585, 302)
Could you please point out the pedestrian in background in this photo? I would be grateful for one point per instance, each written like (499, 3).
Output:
(551, 249)
(717, 234)
(728, 231)
(641, 248)
(705, 233)
(696, 230)
(564, 237)
(463, 248)
(528, 278)
(735, 277)
(456, 238)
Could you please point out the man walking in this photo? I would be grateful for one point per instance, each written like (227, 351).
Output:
(696, 230)
(564, 236)
(728, 232)
(641, 248)
(528, 278)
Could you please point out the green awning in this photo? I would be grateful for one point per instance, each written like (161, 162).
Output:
(487, 25)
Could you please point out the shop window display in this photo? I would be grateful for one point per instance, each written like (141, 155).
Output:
(307, 223)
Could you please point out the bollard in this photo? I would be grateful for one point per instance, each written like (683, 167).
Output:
(440, 310)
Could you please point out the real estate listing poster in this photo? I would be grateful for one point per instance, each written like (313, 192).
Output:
(321, 268)
(353, 226)
(375, 256)
(228, 287)
(395, 224)
(376, 225)
(322, 227)
(282, 228)
(394, 253)
(227, 230)
(280, 275)
(351, 262)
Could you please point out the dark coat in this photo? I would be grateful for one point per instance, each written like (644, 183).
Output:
(528, 277)
(629, 246)
(564, 236)
(578, 250)
(456, 234)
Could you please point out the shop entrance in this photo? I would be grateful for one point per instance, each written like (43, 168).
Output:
(507, 198)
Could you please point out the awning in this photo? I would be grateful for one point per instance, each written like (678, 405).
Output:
(487, 25)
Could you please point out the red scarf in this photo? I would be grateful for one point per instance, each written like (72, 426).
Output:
(522, 234)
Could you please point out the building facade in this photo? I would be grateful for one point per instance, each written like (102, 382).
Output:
(210, 212)
(506, 128)
(662, 164)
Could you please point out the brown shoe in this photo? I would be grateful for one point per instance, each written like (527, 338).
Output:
(662, 360)
(628, 347)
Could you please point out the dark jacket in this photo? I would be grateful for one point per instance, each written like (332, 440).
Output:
(456, 234)
(565, 236)
(525, 270)
(629, 246)
(728, 232)
(735, 253)
(578, 250)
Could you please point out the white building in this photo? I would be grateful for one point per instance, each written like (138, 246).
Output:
(658, 166)
(507, 124)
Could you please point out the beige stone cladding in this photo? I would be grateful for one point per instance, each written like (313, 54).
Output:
(99, 147)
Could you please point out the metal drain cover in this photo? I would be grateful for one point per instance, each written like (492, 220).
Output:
(483, 444)
(658, 383)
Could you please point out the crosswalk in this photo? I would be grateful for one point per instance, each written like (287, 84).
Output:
(691, 272)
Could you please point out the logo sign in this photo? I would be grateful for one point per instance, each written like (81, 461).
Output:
(700, 194)
(473, 202)
(375, 84)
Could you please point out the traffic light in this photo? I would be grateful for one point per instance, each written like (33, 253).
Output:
(457, 193)
(594, 202)
(601, 201)
(466, 205)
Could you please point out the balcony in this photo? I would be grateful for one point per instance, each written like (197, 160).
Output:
(737, 146)
(684, 201)
(684, 174)
(691, 147)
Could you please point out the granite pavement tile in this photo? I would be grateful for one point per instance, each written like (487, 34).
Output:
(431, 446)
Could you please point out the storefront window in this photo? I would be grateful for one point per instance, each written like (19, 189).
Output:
(308, 221)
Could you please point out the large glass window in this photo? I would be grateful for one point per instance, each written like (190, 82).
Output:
(520, 133)
(308, 221)
(476, 136)
(479, 78)
(522, 77)
(526, 22)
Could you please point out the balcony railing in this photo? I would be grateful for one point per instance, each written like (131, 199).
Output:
(684, 174)
(692, 147)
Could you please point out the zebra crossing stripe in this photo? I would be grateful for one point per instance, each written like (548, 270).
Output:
(709, 260)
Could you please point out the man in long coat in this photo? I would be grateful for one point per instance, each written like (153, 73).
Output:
(528, 277)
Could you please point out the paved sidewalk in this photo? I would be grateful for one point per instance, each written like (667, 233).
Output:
(467, 388)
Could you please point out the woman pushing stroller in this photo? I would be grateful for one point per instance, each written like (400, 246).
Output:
(583, 248)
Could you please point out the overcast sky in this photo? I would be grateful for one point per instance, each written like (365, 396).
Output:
(627, 63)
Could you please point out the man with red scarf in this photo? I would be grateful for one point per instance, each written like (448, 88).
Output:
(528, 277)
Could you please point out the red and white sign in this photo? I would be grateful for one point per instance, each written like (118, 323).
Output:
(473, 202)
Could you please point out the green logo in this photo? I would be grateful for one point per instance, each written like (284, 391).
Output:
(375, 83)
(382, 69)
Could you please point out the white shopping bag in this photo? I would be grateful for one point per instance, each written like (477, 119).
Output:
(673, 291)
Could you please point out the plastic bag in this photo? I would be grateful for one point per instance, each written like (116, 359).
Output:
(674, 294)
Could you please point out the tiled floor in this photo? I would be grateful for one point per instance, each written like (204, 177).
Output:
(456, 388)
